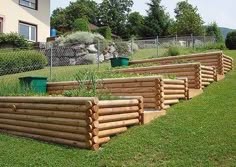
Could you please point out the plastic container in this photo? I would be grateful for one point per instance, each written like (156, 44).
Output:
(53, 33)
(34, 83)
(119, 61)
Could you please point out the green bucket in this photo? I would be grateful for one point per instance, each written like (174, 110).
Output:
(119, 61)
(34, 83)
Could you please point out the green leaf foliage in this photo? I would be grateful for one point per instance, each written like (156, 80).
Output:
(63, 18)
(213, 30)
(188, 20)
(230, 41)
(135, 24)
(157, 22)
(19, 61)
(12, 40)
(114, 13)
(106, 32)
(81, 24)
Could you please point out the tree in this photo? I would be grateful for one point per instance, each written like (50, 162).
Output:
(135, 24)
(230, 41)
(81, 24)
(64, 18)
(157, 22)
(213, 30)
(188, 20)
(58, 20)
(114, 13)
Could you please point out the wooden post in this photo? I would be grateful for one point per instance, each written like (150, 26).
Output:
(198, 76)
(159, 85)
(214, 73)
(141, 111)
(221, 65)
(94, 128)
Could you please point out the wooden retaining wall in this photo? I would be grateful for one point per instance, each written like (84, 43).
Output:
(227, 63)
(150, 88)
(174, 90)
(117, 115)
(221, 62)
(75, 121)
(198, 75)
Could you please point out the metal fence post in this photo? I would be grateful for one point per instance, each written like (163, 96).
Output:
(98, 54)
(176, 39)
(51, 54)
(192, 39)
(157, 42)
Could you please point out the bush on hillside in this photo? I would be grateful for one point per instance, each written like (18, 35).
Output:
(20, 61)
(230, 41)
(81, 24)
(211, 46)
(80, 38)
(173, 51)
(13, 40)
(106, 32)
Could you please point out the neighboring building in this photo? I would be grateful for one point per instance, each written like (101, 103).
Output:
(30, 18)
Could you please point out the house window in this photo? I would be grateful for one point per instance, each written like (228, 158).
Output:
(33, 4)
(29, 31)
(1, 24)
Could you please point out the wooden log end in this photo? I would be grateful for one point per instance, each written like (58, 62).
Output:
(95, 147)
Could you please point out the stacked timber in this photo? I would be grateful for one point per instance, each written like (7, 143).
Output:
(150, 88)
(198, 75)
(115, 116)
(175, 90)
(69, 121)
(227, 63)
(75, 121)
(221, 62)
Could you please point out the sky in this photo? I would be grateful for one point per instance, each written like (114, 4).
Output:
(223, 12)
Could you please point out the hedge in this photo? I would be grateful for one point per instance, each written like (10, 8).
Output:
(20, 61)
(13, 40)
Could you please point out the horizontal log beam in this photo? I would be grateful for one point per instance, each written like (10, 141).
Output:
(110, 132)
(54, 107)
(50, 133)
(117, 110)
(118, 117)
(53, 127)
(50, 100)
(117, 103)
(117, 124)
(50, 139)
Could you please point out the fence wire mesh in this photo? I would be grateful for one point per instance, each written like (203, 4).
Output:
(61, 63)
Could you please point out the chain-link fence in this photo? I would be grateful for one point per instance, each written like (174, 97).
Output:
(61, 63)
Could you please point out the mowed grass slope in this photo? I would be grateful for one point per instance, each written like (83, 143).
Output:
(200, 132)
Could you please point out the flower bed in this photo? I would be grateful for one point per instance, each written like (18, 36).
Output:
(75, 121)
(221, 62)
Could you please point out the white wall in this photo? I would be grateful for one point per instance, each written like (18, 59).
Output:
(12, 13)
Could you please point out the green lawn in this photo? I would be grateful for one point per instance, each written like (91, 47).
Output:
(200, 132)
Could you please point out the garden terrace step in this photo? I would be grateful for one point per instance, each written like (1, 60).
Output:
(221, 62)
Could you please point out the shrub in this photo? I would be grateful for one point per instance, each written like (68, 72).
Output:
(173, 51)
(106, 32)
(20, 61)
(211, 46)
(80, 38)
(13, 40)
(81, 24)
(230, 41)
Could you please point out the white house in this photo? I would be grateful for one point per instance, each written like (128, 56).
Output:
(30, 18)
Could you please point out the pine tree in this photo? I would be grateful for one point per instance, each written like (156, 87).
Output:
(157, 22)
